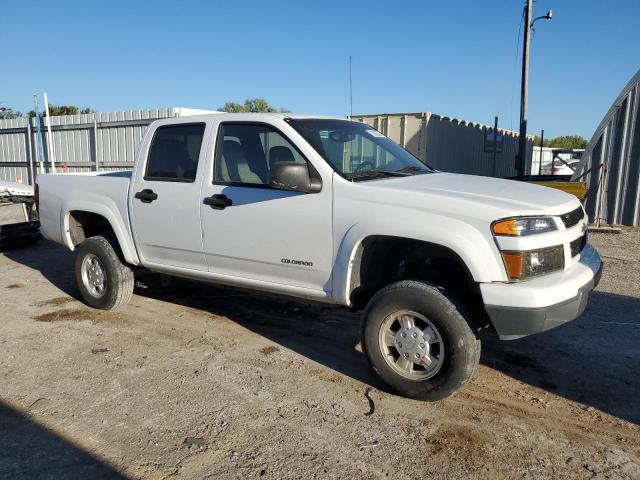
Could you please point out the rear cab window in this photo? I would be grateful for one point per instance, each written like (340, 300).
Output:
(174, 152)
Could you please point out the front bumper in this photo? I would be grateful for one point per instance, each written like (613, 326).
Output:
(520, 309)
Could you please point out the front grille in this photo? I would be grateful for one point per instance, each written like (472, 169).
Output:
(572, 218)
(577, 245)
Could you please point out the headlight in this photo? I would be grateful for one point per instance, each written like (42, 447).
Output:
(521, 226)
(523, 265)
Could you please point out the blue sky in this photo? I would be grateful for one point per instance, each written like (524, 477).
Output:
(452, 58)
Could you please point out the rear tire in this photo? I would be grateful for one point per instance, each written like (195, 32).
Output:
(104, 280)
(418, 339)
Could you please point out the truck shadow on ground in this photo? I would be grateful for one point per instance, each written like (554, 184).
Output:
(30, 450)
(594, 361)
(325, 334)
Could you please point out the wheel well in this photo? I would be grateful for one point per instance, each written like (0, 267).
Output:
(83, 225)
(381, 260)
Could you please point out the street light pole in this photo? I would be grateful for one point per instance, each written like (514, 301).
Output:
(524, 92)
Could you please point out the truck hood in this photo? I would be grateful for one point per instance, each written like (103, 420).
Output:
(498, 197)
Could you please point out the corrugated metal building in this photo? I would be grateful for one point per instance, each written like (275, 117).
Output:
(611, 162)
(449, 144)
(108, 141)
(90, 142)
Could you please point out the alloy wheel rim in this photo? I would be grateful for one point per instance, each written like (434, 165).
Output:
(94, 276)
(411, 345)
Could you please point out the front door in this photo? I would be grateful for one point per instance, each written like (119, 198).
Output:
(257, 232)
(164, 200)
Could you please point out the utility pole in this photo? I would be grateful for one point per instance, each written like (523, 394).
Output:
(524, 92)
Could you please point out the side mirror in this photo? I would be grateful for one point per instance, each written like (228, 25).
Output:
(293, 176)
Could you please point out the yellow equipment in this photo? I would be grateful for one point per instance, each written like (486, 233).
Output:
(578, 189)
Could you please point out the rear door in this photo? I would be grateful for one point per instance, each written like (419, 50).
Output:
(263, 233)
(164, 200)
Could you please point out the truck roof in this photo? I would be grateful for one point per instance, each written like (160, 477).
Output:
(266, 114)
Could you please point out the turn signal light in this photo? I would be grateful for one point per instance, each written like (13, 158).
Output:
(514, 263)
(521, 226)
(506, 227)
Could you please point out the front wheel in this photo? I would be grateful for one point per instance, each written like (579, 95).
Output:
(418, 340)
(104, 280)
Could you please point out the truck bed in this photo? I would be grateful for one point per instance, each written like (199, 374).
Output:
(101, 192)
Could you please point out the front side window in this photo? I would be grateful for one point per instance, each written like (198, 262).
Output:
(246, 152)
(174, 153)
(356, 150)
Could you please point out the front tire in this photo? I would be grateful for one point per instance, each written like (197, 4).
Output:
(103, 279)
(418, 339)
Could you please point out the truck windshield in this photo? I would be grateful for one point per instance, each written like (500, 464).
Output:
(356, 150)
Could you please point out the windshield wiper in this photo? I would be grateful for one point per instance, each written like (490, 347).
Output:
(375, 173)
(412, 169)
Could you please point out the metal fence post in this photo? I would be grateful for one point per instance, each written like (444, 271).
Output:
(32, 179)
(495, 145)
(95, 142)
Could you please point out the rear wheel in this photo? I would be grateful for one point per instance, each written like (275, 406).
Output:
(103, 279)
(418, 339)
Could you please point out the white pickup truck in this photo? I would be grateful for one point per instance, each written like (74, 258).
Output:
(332, 210)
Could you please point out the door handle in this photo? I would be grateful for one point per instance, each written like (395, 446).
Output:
(218, 201)
(146, 196)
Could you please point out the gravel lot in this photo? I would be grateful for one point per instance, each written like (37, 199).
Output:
(196, 381)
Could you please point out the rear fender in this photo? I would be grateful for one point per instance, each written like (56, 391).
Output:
(105, 209)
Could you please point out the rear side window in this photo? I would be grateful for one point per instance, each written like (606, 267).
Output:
(174, 152)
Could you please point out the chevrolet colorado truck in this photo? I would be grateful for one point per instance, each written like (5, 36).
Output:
(331, 210)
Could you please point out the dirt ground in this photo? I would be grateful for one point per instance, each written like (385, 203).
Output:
(195, 381)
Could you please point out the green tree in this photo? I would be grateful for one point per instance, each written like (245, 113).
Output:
(55, 110)
(8, 113)
(536, 141)
(253, 105)
(232, 107)
(569, 142)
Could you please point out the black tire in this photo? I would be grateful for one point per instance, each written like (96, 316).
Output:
(460, 344)
(118, 275)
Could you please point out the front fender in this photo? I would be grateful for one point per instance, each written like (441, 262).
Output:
(476, 250)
